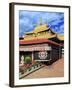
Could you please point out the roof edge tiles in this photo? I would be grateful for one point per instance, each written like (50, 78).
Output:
(37, 41)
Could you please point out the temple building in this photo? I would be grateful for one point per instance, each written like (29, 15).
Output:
(41, 44)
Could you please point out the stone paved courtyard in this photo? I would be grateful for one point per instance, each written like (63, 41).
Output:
(54, 70)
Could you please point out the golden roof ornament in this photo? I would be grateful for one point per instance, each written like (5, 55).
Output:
(40, 21)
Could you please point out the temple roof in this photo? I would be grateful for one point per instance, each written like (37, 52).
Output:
(40, 28)
(38, 41)
(60, 37)
(43, 31)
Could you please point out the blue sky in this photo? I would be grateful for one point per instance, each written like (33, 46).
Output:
(29, 19)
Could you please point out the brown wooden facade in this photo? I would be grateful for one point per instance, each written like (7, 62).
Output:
(51, 50)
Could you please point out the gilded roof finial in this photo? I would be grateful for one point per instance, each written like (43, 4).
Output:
(36, 24)
(40, 21)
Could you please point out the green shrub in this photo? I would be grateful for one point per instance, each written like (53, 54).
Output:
(28, 60)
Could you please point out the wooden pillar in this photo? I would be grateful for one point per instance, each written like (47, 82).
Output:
(32, 56)
(60, 55)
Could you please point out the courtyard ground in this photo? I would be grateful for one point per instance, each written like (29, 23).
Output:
(54, 70)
